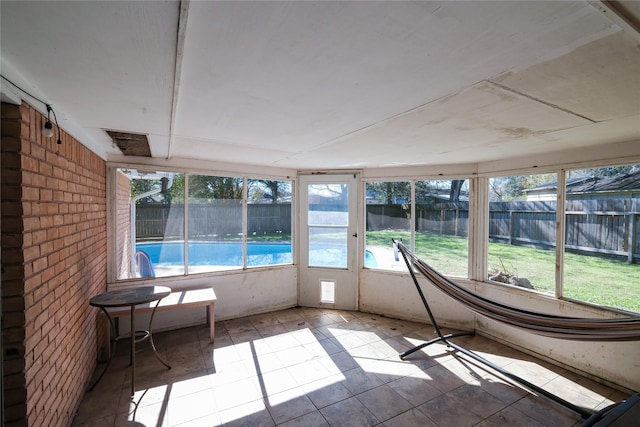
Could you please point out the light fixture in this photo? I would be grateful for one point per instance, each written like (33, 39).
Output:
(47, 130)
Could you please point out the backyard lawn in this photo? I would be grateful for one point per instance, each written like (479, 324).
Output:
(588, 278)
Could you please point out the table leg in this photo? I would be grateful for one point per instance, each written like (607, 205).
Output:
(113, 340)
(133, 350)
(150, 335)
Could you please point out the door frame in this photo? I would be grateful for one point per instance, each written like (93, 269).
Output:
(346, 279)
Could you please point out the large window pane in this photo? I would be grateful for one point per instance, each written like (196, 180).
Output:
(522, 230)
(602, 236)
(442, 225)
(388, 210)
(328, 221)
(215, 223)
(269, 223)
(149, 220)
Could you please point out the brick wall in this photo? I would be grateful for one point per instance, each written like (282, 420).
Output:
(54, 259)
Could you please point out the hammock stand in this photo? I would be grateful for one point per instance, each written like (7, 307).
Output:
(399, 247)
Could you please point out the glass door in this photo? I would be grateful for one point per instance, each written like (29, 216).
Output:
(328, 269)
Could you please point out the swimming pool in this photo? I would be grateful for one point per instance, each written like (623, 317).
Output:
(229, 254)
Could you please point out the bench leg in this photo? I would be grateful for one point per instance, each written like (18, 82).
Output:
(211, 322)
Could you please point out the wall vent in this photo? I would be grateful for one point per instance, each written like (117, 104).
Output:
(131, 144)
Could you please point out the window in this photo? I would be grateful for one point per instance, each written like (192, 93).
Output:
(269, 222)
(438, 233)
(442, 225)
(150, 218)
(215, 223)
(328, 222)
(522, 231)
(602, 236)
(388, 211)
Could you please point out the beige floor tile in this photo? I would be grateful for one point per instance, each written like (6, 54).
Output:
(318, 367)
(474, 399)
(415, 390)
(349, 412)
(288, 405)
(236, 393)
(313, 419)
(276, 382)
(411, 418)
(191, 407)
(446, 411)
(509, 417)
(384, 402)
(327, 391)
(240, 325)
(358, 380)
(251, 414)
(546, 412)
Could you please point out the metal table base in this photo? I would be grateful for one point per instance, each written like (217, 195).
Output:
(135, 336)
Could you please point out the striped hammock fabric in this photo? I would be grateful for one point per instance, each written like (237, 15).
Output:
(573, 328)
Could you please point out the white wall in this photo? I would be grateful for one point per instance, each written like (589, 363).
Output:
(239, 293)
(393, 294)
(617, 363)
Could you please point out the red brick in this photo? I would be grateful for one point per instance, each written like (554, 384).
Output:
(51, 210)
(31, 253)
(46, 195)
(38, 152)
(30, 193)
(30, 164)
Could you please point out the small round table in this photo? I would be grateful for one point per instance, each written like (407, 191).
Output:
(130, 298)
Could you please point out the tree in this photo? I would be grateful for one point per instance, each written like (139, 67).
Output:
(389, 192)
(262, 188)
(456, 187)
(605, 172)
(174, 192)
(510, 188)
(208, 187)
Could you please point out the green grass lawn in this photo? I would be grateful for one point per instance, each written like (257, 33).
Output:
(588, 278)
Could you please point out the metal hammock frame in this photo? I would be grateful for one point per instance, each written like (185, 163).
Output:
(548, 325)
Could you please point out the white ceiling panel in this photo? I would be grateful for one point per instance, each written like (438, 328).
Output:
(600, 80)
(320, 84)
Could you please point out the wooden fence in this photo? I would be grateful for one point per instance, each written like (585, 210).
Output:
(217, 220)
(607, 227)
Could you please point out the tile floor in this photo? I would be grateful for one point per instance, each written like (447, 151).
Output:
(317, 367)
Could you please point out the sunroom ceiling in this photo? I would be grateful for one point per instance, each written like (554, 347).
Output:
(326, 85)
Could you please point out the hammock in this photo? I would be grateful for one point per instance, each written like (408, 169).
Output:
(623, 329)
(585, 329)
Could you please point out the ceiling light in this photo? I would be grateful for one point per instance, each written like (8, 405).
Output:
(47, 130)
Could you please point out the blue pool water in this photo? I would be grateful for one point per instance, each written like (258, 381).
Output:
(230, 254)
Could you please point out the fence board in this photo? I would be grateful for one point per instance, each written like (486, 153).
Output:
(596, 226)
(606, 227)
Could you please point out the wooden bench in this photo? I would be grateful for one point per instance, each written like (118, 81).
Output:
(179, 299)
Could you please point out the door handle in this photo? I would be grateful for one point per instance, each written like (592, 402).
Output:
(355, 234)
